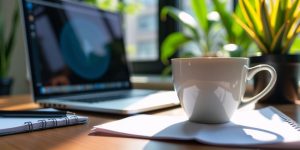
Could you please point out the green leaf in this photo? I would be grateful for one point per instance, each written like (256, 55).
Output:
(110, 5)
(291, 36)
(171, 44)
(293, 26)
(276, 46)
(251, 34)
(130, 8)
(7, 41)
(276, 16)
(241, 37)
(184, 18)
(226, 18)
(2, 49)
(254, 18)
(290, 12)
(278, 19)
(245, 14)
(266, 24)
(167, 71)
(236, 28)
(200, 10)
(12, 34)
(295, 47)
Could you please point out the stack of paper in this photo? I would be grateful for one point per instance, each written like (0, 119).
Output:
(254, 128)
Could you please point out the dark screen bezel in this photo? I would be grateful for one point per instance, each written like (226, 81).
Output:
(30, 59)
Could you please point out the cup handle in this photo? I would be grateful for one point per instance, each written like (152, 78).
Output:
(251, 72)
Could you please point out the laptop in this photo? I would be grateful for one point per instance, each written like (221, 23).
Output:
(77, 60)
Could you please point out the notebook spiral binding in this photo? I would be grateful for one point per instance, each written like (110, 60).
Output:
(29, 126)
(67, 120)
(287, 119)
(43, 124)
(75, 117)
(54, 121)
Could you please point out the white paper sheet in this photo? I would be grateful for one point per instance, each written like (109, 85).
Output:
(253, 127)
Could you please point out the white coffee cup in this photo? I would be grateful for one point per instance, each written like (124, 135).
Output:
(210, 89)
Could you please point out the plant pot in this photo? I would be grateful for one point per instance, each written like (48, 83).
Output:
(286, 89)
(5, 86)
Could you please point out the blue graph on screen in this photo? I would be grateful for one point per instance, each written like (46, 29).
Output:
(84, 48)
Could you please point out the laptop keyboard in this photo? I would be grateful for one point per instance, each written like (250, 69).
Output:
(106, 98)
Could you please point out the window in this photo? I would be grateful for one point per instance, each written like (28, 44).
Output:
(147, 23)
(146, 50)
(149, 31)
(141, 32)
(144, 34)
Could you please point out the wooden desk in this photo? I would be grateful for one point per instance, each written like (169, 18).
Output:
(77, 137)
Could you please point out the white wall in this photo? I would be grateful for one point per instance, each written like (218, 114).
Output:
(18, 67)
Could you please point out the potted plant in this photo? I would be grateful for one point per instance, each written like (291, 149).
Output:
(202, 30)
(237, 43)
(6, 46)
(214, 32)
(274, 26)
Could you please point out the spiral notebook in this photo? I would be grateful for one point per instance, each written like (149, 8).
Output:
(266, 128)
(19, 125)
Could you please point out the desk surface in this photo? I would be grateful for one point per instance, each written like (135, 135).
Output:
(77, 137)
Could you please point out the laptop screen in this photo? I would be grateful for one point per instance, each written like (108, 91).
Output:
(74, 48)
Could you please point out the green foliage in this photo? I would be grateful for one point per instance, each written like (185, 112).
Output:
(129, 7)
(296, 46)
(273, 25)
(200, 30)
(201, 12)
(184, 18)
(234, 33)
(7, 42)
(172, 43)
(203, 31)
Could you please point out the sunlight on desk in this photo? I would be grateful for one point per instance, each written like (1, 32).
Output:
(17, 103)
(2, 102)
(20, 107)
(70, 143)
(78, 137)
(153, 100)
(260, 135)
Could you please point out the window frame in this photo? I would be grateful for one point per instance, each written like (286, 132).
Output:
(164, 29)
